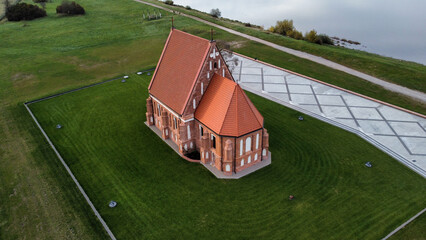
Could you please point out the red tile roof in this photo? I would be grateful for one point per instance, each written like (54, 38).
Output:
(178, 69)
(227, 110)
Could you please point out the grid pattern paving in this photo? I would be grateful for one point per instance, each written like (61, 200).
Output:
(400, 134)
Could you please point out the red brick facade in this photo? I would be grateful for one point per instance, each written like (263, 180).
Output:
(229, 154)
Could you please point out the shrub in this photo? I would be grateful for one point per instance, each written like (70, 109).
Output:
(295, 34)
(41, 2)
(284, 27)
(70, 8)
(311, 36)
(215, 13)
(24, 11)
(168, 2)
(188, 7)
(324, 39)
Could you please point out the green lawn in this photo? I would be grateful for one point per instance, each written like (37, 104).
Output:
(53, 54)
(161, 196)
(405, 73)
(414, 231)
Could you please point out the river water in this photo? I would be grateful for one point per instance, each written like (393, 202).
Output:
(390, 28)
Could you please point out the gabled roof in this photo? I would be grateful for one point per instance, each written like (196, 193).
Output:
(227, 110)
(178, 69)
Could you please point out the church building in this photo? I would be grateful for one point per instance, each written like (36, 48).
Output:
(195, 102)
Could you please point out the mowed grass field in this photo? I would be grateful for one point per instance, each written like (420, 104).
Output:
(161, 196)
(53, 54)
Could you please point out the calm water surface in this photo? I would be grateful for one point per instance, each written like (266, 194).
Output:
(391, 28)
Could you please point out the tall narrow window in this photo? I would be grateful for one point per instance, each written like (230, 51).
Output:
(210, 65)
(201, 131)
(248, 144)
(174, 122)
(213, 141)
(208, 75)
(257, 141)
(242, 162)
(159, 110)
(189, 131)
(202, 88)
(215, 65)
(219, 63)
(241, 146)
(223, 72)
(194, 105)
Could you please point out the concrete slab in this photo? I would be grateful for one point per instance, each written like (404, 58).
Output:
(299, 89)
(365, 113)
(336, 112)
(348, 122)
(303, 99)
(250, 78)
(273, 79)
(392, 142)
(330, 100)
(410, 129)
(294, 79)
(251, 70)
(375, 127)
(275, 88)
(355, 101)
(281, 96)
(416, 145)
(395, 114)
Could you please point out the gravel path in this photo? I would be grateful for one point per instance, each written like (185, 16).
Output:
(387, 85)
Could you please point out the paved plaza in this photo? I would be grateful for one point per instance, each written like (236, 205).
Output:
(398, 133)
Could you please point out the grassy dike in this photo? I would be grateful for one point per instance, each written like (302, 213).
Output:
(405, 73)
(53, 54)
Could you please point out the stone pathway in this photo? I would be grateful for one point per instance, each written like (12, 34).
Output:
(399, 133)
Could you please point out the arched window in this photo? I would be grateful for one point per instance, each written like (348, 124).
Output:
(248, 144)
(257, 141)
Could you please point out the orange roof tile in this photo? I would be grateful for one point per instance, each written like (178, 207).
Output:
(227, 110)
(178, 69)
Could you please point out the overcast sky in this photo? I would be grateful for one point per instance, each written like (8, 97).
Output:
(391, 28)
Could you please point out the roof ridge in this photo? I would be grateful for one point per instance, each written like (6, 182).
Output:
(250, 105)
(229, 105)
(191, 35)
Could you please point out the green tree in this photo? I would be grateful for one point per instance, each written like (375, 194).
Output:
(215, 13)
